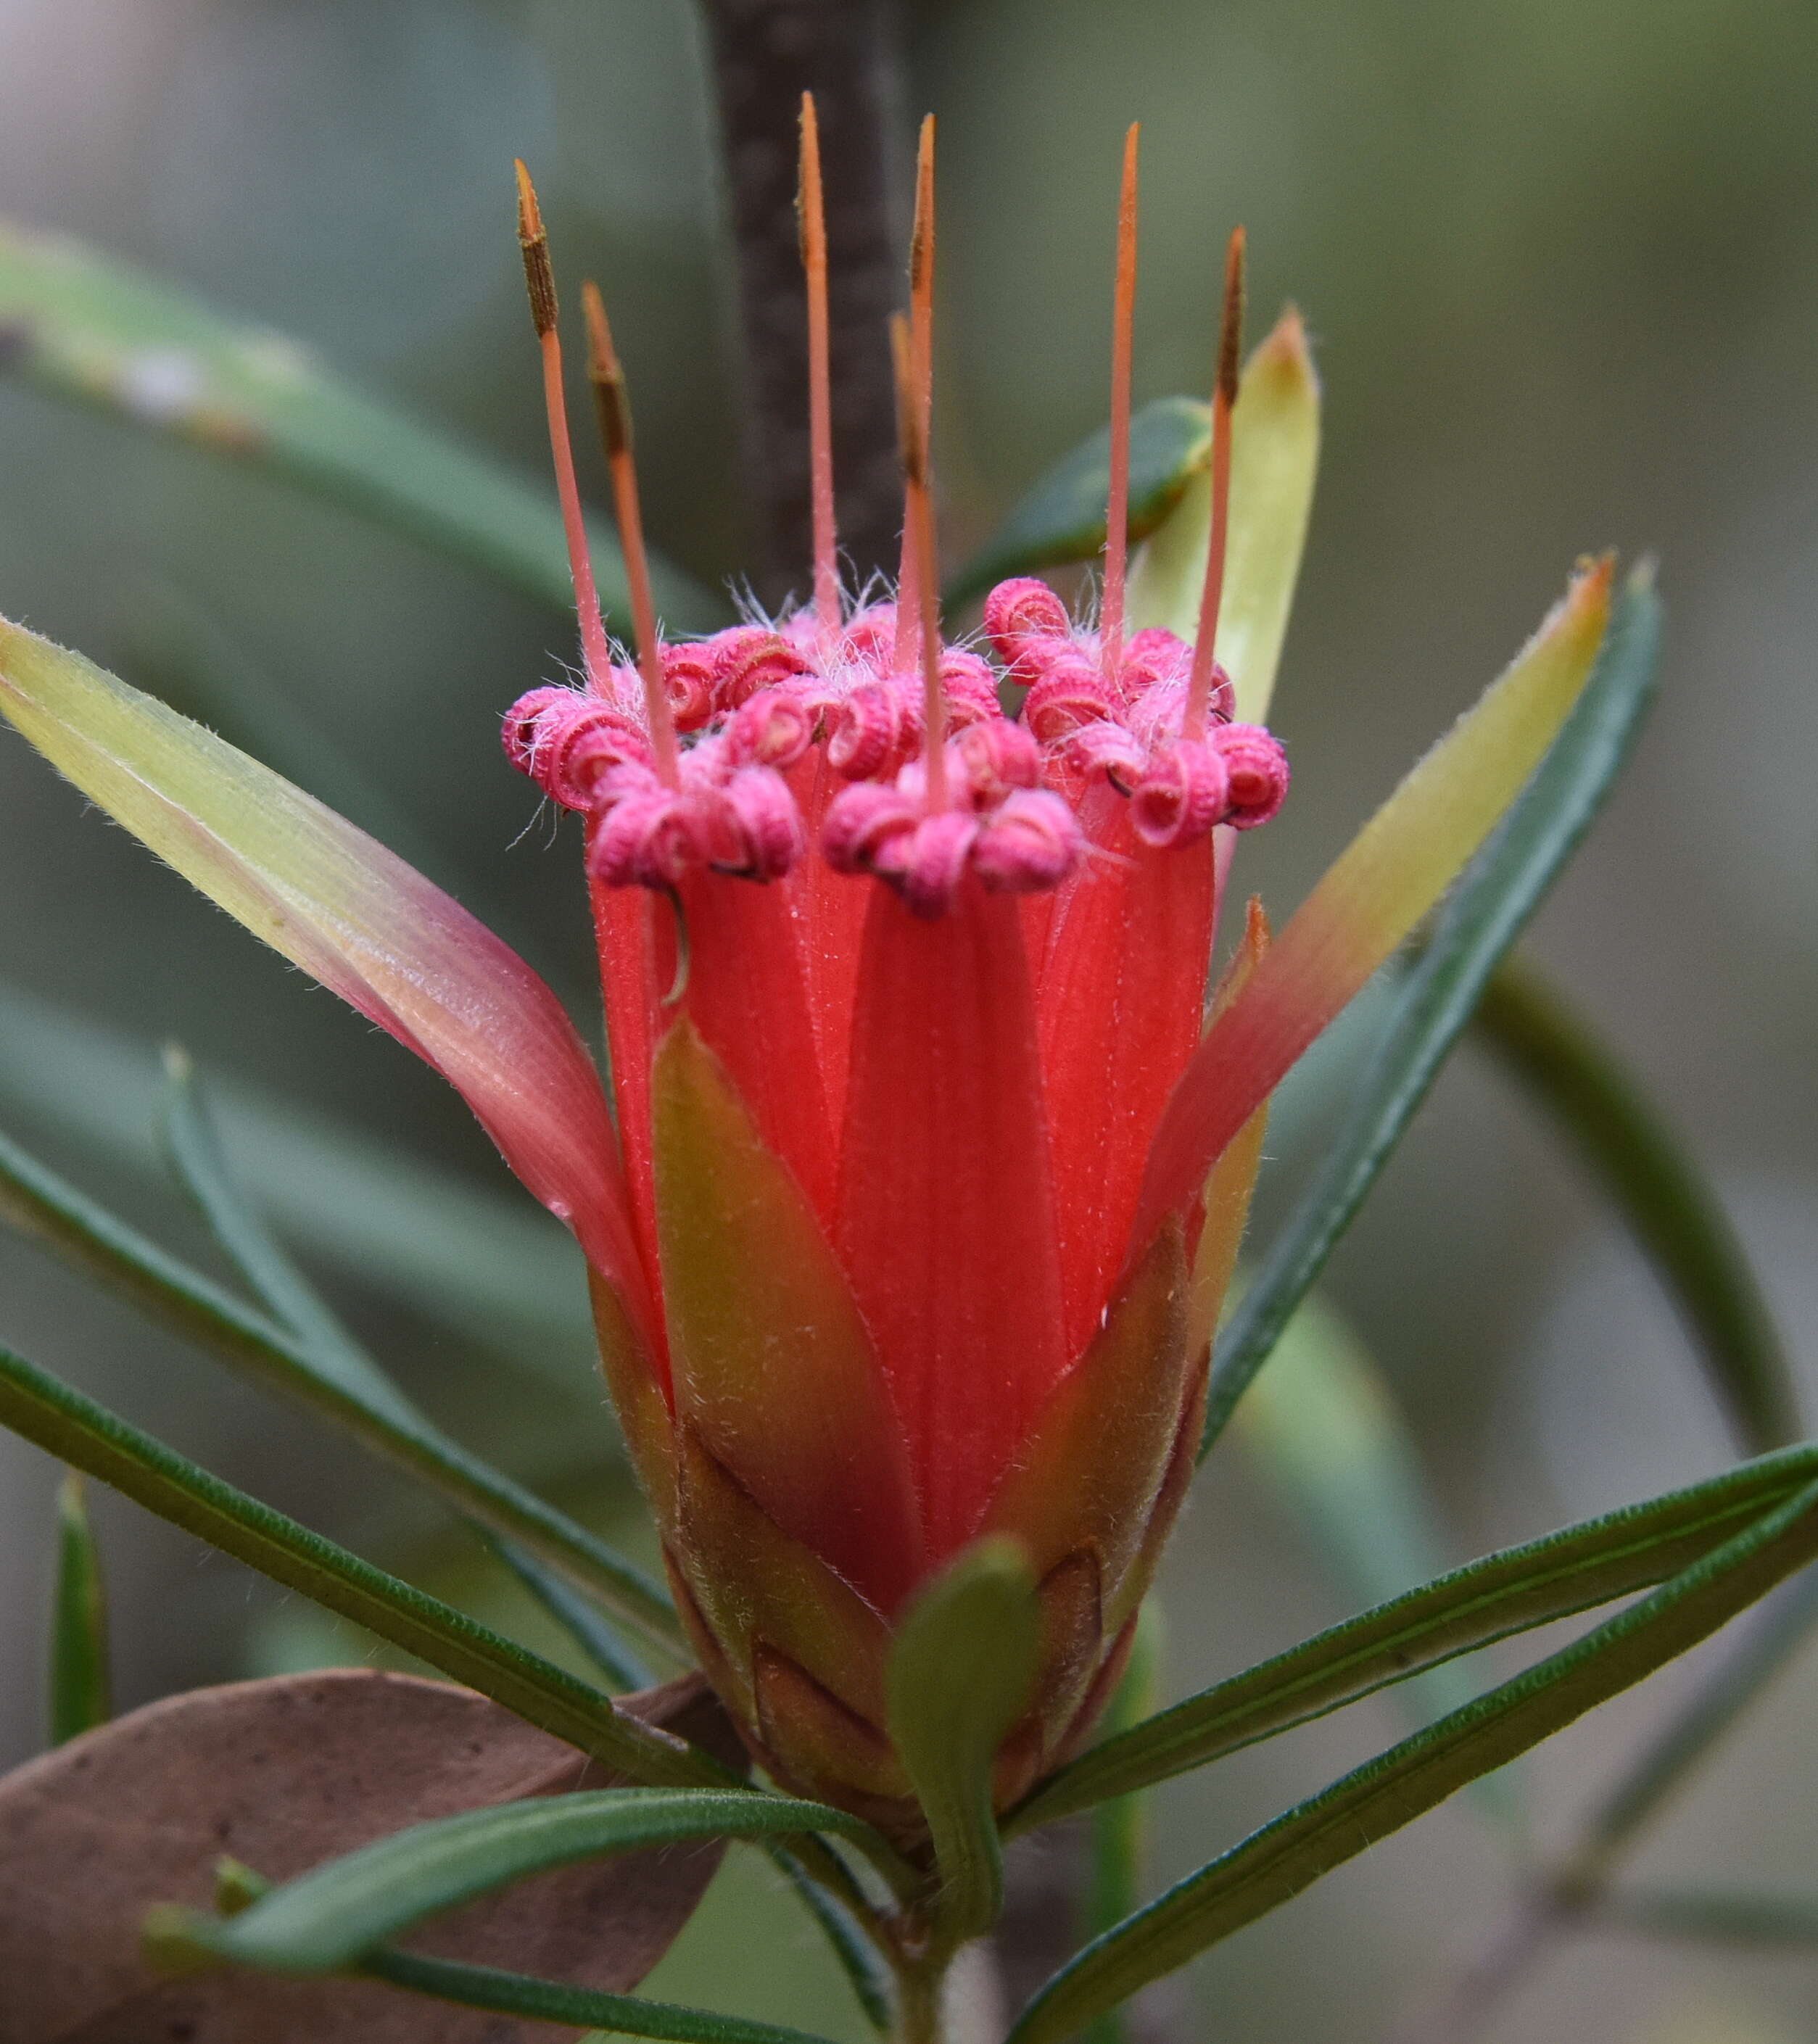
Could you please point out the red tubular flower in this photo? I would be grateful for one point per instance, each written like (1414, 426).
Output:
(927, 1172)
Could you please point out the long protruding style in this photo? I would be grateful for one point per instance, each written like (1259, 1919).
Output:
(540, 281)
(921, 350)
(608, 377)
(919, 552)
(812, 210)
(1224, 401)
(1118, 501)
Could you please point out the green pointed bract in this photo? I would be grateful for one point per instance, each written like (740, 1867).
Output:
(1275, 454)
(1090, 1470)
(771, 1364)
(962, 1674)
(757, 1588)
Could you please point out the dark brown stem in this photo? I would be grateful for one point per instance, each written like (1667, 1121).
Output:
(765, 55)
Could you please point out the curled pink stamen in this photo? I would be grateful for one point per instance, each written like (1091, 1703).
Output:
(762, 660)
(1032, 842)
(970, 687)
(533, 721)
(860, 821)
(688, 680)
(588, 748)
(1067, 691)
(869, 730)
(773, 727)
(1019, 616)
(1184, 792)
(768, 822)
(1256, 770)
(928, 863)
(992, 758)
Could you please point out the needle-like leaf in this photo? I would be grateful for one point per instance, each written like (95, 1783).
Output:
(331, 1917)
(81, 1692)
(85, 326)
(67, 1424)
(35, 1201)
(1503, 1594)
(1274, 1863)
(1504, 886)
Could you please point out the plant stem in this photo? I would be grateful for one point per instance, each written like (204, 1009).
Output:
(919, 1999)
(764, 54)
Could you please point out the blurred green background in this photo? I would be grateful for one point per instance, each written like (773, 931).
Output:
(1561, 266)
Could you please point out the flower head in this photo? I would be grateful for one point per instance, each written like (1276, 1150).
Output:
(928, 1161)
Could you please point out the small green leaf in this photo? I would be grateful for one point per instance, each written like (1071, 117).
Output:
(1491, 905)
(332, 1917)
(551, 2001)
(82, 326)
(1062, 517)
(81, 1689)
(1503, 1594)
(64, 1422)
(961, 1674)
(1276, 1863)
(35, 1201)
(1676, 1215)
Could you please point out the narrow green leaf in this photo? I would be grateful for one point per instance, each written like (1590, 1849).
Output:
(1490, 906)
(84, 327)
(961, 1674)
(1503, 1594)
(1061, 516)
(490, 1266)
(550, 2001)
(1275, 1863)
(330, 1917)
(35, 1201)
(1118, 1844)
(72, 1427)
(1674, 1212)
(1667, 1761)
(587, 1627)
(1754, 1922)
(81, 1690)
(859, 1958)
(279, 1286)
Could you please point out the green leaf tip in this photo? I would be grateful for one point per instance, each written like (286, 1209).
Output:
(962, 1674)
(1061, 519)
(81, 1687)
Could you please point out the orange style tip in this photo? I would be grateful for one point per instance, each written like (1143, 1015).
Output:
(1257, 932)
(1231, 323)
(530, 226)
(922, 233)
(533, 239)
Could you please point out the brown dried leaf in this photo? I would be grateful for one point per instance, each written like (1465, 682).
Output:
(283, 1774)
